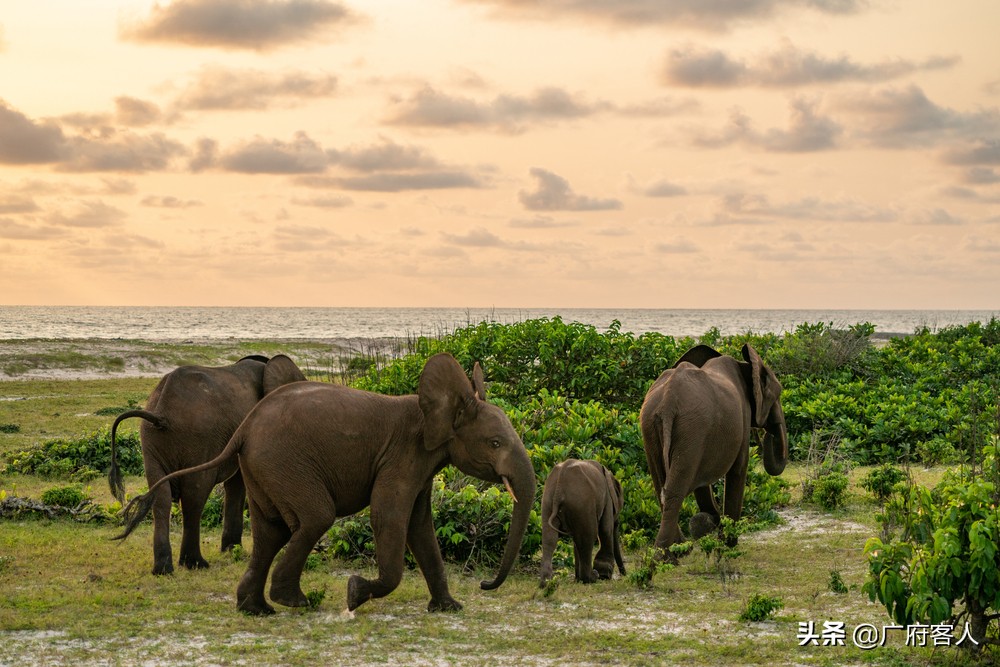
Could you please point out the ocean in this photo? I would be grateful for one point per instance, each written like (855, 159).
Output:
(199, 324)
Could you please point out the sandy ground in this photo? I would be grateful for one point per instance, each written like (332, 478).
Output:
(87, 359)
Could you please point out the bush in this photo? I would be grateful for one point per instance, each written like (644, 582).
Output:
(945, 566)
(881, 481)
(81, 459)
(65, 496)
(760, 608)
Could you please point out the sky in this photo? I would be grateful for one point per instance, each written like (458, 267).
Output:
(507, 153)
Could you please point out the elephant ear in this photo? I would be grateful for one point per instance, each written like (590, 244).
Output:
(280, 370)
(698, 355)
(446, 397)
(758, 376)
(478, 382)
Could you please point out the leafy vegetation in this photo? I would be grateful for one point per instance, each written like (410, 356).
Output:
(79, 459)
(760, 608)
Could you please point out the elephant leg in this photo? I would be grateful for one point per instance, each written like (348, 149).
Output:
(269, 535)
(550, 539)
(707, 519)
(193, 496)
(232, 511)
(163, 559)
(389, 531)
(583, 553)
(604, 562)
(736, 480)
(286, 580)
(422, 541)
(670, 529)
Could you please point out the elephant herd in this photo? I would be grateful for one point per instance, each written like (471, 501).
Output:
(304, 453)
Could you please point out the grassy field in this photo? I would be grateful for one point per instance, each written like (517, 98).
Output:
(70, 595)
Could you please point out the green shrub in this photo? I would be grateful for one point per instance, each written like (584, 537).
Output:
(80, 459)
(10, 428)
(211, 514)
(760, 608)
(65, 496)
(882, 481)
(829, 490)
(945, 564)
(836, 584)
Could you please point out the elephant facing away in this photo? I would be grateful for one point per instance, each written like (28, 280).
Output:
(311, 452)
(696, 421)
(188, 420)
(584, 499)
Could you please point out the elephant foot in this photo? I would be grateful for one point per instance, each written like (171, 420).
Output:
(444, 604)
(163, 568)
(289, 596)
(197, 563)
(254, 607)
(702, 524)
(358, 592)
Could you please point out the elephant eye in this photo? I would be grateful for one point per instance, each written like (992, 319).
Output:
(495, 443)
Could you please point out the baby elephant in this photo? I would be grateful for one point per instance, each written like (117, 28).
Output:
(584, 499)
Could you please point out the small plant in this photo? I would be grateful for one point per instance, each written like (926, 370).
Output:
(315, 598)
(760, 608)
(552, 585)
(238, 553)
(10, 428)
(313, 561)
(837, 584)
(65, 496)
(882, 481)
(5, 563)
(829, 490)
(642, 573)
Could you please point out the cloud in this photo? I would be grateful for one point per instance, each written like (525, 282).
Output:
(238, 24)
(324, 202)
(741, 208)
(553, 193)
(302, 155)
(906, 118)
(808, 131)
(169, 201)
(17, 204)
(23, 141)
(385, 155)
(219, 88)
(431, 108)
(90, 215)
(982, 152)
(715, 16)
(121, 151)
(476, 238)
(676, 247)
(16, 231)
(540, 222)
(134, 112)
(935, 216)
(981, 176)
(658, 188)
(401, 181)
(784, 68)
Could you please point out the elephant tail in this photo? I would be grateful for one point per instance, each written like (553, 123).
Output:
(115, 482)
(140, 506)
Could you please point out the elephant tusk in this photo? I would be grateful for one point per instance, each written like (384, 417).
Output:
(506, 483)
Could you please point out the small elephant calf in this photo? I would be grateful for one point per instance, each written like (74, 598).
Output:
(583, 499)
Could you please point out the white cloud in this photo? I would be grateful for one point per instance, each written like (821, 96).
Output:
(553, 193)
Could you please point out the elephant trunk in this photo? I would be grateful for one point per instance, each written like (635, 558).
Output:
(774, 448)
(521, 486)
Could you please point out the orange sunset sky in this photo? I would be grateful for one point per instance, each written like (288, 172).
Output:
(468, 153)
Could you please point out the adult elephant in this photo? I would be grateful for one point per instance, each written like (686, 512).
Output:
(312, 452)
(696, 421)
(188, 420)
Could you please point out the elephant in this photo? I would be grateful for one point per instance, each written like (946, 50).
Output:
(188, 420)
(311, 452)
(696, 421)
(584, 499)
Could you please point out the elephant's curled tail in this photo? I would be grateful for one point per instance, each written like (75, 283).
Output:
(115, 482)
(139, 507)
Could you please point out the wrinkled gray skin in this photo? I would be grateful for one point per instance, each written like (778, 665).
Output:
(583, 499)
(312, 452)
(188, 420)
(696, 421)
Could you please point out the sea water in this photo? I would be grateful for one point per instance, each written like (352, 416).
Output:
(198, 323)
